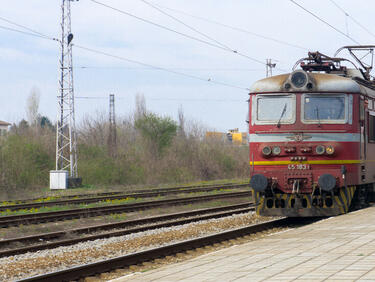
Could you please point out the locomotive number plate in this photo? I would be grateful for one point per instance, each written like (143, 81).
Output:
(299, 166)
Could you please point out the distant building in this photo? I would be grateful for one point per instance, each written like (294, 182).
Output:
(4, 127)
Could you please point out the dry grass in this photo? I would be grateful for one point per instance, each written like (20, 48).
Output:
(28, 154)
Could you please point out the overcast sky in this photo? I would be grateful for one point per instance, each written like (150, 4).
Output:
(30, 62)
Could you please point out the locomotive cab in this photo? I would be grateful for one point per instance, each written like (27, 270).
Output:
(309, 143)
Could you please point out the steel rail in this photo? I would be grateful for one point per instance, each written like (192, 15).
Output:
(21, 201)
(67, 242)
(121, 224)
(86, 270)
(14, 220)
(142, 194)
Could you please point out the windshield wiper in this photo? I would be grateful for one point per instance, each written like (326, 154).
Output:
(317, 115)
(281, 116)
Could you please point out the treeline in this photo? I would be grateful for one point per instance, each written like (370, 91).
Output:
(147, 149)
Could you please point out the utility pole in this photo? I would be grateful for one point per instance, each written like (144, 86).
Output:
(269, 67)
(66, 138)
(112, 136)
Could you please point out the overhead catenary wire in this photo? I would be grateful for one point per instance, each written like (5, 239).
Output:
(242, 30)
(181, 33)
(325, 22)
(353, 19)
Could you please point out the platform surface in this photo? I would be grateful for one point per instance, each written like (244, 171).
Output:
(335, 249)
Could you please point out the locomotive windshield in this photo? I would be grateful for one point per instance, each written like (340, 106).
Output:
(324, 108)
(275, 109)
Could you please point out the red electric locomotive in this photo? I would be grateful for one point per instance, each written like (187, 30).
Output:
(312, 138)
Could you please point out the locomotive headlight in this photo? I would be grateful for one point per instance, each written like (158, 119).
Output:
(276, 150)
(299, 79)
(330, 150)
(266, 151)
(320, 150)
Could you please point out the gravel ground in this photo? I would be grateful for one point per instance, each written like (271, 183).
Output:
(30, 264)
(33, 229)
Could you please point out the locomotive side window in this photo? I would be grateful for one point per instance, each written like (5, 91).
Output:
(324, 108)
(371, 127)
(274, 109)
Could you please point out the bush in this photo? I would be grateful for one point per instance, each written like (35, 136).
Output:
(149, 151)
(24, 162)
(96, 166)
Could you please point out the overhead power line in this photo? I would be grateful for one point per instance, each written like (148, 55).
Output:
(158, 68)
(170, 68)
(164, 99)
(198, 100)
(325, 22)
(28, 33)
(353, 19)
(242, 30)
(34, 32)
(186, 25)
(40, 35)
(180, 33)
(203, 34)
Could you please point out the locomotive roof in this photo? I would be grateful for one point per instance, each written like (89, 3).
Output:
(321, 82)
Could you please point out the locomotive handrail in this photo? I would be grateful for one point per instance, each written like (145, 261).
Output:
(353, 47)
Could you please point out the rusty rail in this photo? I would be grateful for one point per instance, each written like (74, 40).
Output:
(15, 220)
(119, 196)
(86, 270)
(168, 220)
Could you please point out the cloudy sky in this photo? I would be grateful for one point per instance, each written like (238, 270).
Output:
(213, 91)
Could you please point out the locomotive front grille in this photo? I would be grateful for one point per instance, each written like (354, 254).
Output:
(296, 205)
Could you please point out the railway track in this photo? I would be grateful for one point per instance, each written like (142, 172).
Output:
(163, 221)
(15, 220)
(24, 201)
(91, 269)
(119, 196)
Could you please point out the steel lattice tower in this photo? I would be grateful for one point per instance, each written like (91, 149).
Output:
(269, 67)
(66, 144)
(112, 137)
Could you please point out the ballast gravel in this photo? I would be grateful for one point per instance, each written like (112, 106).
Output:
(31, 264)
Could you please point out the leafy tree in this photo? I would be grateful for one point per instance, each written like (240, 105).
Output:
(160, 131)
(45, 122)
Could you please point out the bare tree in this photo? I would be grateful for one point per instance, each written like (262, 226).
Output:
(140, 106)
(181, 121)
(32, 106)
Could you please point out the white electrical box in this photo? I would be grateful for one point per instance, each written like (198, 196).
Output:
(58, 179)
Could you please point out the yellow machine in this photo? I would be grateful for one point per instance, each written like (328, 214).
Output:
(233, 136)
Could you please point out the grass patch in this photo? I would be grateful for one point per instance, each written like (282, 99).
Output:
(47, 195)
(32, 229)
(108, 202)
